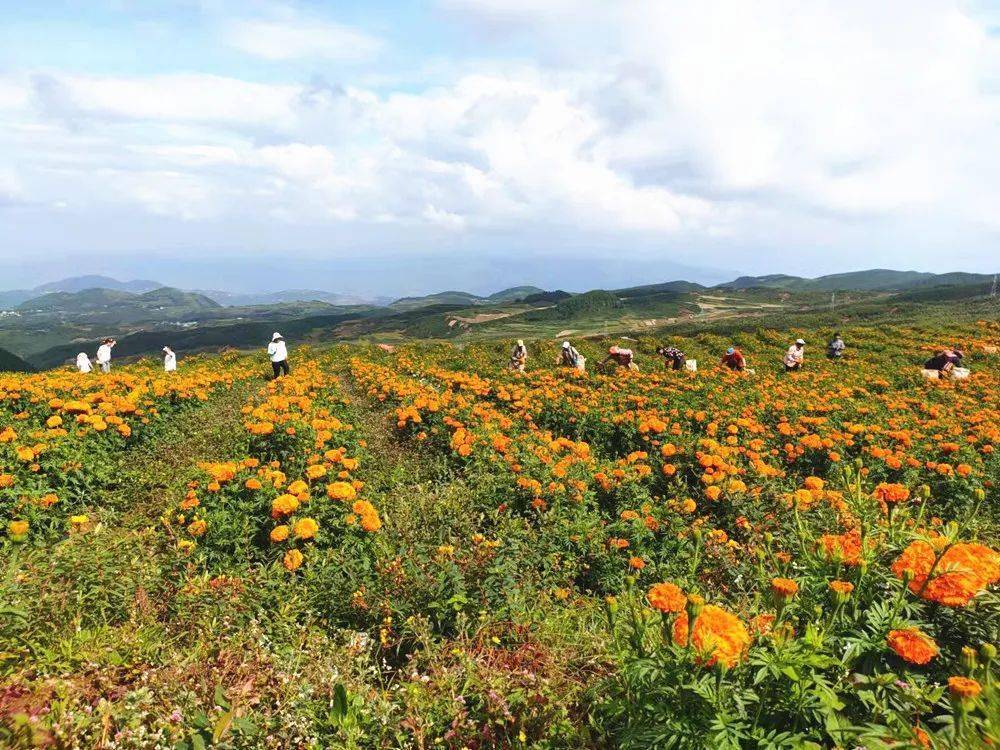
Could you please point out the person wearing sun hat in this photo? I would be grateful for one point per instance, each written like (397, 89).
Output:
(278, 353)
(734, 359)
(519, 356)
(795, 356)
(621, 357)
(570, 357)
(169, 360)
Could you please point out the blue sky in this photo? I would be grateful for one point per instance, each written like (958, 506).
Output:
(369, 145)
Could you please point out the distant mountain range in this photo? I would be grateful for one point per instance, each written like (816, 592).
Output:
(873, 280)
(49, 329)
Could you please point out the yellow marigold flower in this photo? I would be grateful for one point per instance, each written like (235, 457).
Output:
(306, 528)
(341, 491)
(197, 528)
(292, 559)
(17, 528)
(284, 505)
(316, 471)
(279, 534)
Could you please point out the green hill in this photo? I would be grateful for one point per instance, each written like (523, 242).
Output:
(118, 307)
(441, 298)
(875, 280)
(580, 306)
(12, 363)
(514, 294)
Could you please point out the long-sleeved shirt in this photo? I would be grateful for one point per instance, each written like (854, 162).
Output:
(570, 356)
(277, 351)
(837, 346)
(794, 355)
(170, 362)
(104, 354)
(734, 361)
(83, 363)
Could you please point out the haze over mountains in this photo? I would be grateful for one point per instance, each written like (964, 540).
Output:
(49, 324)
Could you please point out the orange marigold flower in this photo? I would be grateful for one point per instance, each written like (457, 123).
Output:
(666, 597)
(891, 493)
(636, 563)
(784, 588)
(843, 548)
(841, 590)
(292, 559)
(963, 571)
(719, 636)
(912, 645)
(279, 534)
(197, 528)
(284, 505)
(964, 688)
(341, 491)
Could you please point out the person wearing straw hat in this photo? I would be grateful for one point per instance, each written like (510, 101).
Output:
(169, 360)
(795, 356)
(278, 353)
(519, 356)
(570, 357)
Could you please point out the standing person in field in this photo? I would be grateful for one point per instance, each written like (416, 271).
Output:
(835, 349)
(83, 363)
(278, 353)
(169, 360)
(622, 358)
(795, 356)
(104, 354)
(734, 359)
(673, 357)
(519, 356)
(570, 357)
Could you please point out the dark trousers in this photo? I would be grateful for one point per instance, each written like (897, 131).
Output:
(280, 367)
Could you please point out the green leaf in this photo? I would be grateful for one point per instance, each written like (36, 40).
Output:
(222, 726)
(220, 697)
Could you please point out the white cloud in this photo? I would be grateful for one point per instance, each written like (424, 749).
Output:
(300, 39)
(763, 122)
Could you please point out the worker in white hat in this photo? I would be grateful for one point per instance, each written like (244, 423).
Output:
(570, 357)
(278, 353)
(795, 356)
(519, 356)
(169, 360)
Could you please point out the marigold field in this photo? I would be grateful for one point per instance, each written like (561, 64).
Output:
(418, 548)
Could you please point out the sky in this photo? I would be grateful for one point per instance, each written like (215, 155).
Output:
(404, 147)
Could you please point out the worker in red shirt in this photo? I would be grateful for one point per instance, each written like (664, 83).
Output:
(733, 359)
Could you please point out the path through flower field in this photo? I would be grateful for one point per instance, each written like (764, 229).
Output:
(420, 548)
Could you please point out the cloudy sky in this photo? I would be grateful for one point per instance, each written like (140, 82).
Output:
(399, 146)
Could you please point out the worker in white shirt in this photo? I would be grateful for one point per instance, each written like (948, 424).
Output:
(278, 353)
(795, 356)
(169, 360)
(83, 363)
(104, 354)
